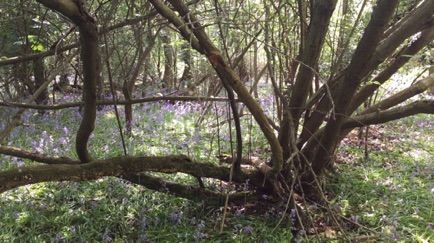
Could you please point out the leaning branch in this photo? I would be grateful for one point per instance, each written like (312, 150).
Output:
(398, 60)
(378, 117)
(171, 16)
(415, 89)
(226, 74)
(74, 10)
(35, 156)
(16, 120)
(422, 106)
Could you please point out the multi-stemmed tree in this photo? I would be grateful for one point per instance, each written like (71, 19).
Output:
(324, 60)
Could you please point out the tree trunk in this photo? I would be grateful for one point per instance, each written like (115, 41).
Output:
(169, 62)
(39, 74)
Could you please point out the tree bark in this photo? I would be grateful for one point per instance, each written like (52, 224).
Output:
(128, 85)
(354, 74)
(120, 166)
(316, 33)
(74, 10)
(169, 62)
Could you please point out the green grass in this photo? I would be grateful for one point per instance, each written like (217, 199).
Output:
(390, 193)
(112, 210)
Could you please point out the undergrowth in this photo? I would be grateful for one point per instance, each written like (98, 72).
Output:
(384, 196)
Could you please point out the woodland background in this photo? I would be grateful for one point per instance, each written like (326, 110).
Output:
(316, 114)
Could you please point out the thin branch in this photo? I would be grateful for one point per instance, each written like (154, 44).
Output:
(35, 156)
(119, 102)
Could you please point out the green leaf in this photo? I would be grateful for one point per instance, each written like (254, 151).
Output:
(37, 47)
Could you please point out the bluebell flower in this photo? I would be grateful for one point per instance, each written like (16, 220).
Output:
(193, 221)
(248, 230)
(143, 238)
(58, 238)
(30, 204)
(73, 229)
(201, 224)
(124, 200)
(293, 214)
(395, 236)
(106, 237)
(176, 217)
(199, 236)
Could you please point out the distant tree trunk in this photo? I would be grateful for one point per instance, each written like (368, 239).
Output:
(127, 89)
(431, 89)
(6, 84)
(186, 78)
(128, 85)
(242, 71)
(168, 75)
(22, 83)
(143, 55)
(99, 79)
(39, 74)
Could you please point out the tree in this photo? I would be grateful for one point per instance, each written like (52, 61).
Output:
(321, 76)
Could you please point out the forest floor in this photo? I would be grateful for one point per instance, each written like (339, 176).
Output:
(382, 190)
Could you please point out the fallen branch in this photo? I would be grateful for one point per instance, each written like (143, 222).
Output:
(121, 166)
(185, 191)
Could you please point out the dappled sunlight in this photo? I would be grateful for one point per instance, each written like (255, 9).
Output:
(219, 121)
(395, 191)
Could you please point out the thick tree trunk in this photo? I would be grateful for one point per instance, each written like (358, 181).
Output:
(309, 57)
(356, 71)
